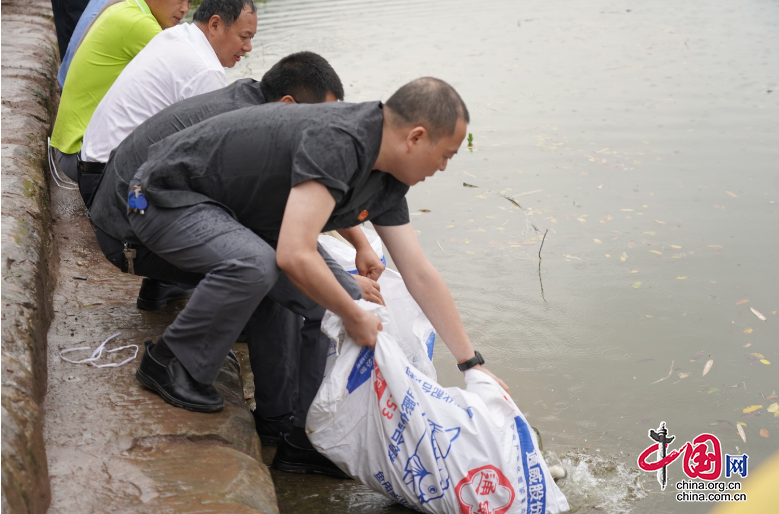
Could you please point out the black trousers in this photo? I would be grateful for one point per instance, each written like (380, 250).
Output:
(66, 16)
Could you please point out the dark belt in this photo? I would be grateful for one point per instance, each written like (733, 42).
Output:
(91, 167)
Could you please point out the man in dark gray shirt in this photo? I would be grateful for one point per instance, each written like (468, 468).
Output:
(240, 199)
(274, 339)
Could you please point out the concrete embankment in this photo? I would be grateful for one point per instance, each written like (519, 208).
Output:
(78, 439)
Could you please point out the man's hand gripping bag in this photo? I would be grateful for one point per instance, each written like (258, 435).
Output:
(433, 449)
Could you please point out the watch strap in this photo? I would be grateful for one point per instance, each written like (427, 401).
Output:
(473, 361)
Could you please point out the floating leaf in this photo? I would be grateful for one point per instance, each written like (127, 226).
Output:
(450, 226)
(424, 210)
(480, 196)
(608, 255)
(650, 233)
(759, 355)
(742, 301)
(765, 361)
(757, 313)
(707, 367)
(747, 330)
(623, 257)
(763, 433)
(634, 271)
(715, 246)
(712, 390)
(631, 244)
(684, 375)
(774, 407)
(742, 424)
(657, 252)
(734, 195)
(660, 222)
(741, 432)
(636, 285)
(676, 246)
(607, 218)
(597, 240)
(581, 219)
(681, 278)
(747, 345)
(626, 210)
(751, 408)
(470, 252)
(571, 256)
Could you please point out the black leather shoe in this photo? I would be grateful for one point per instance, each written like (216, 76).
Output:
(272, 430)
(292, 459)
(176, 386)
(156, 294)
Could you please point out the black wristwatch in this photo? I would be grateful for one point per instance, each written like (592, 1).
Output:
(473, 361)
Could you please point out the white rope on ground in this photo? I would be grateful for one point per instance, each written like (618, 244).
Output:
(99, 352)
(64, 183)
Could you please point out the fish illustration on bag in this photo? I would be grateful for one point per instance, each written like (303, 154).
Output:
(429, 486)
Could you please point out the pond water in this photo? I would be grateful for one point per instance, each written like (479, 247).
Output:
(641, 138)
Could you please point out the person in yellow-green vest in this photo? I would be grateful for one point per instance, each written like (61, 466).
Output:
(114, 39)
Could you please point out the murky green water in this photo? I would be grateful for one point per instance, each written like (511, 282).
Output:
(643, 137)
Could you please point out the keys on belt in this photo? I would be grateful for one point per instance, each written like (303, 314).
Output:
(130, 254)
(136, 202)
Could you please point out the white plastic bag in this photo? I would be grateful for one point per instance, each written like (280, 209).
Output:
(407, 324)
(434, 449)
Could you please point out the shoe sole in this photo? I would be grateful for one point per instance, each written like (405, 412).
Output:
(149, 305)
(151, 384)
(290, 467)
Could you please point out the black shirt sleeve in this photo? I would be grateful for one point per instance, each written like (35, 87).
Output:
(395, 215)
(327, 156)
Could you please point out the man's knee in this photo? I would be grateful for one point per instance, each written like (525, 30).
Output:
(250, 272)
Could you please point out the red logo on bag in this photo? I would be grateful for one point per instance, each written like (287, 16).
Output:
(379, 385)
(485, 490)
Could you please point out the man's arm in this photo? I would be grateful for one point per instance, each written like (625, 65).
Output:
(367, 262)
(429, 290)
(308, 208)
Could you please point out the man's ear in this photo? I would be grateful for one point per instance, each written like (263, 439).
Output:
(287, 99)
(214, 23)
(416, 135)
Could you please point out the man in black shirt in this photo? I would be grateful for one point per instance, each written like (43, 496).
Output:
(274, 331)
(241, 199)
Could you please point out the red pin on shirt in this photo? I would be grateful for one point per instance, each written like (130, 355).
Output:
(362, 215)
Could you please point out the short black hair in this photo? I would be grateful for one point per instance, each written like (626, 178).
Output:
(429, 102)
(228, 10)
(305, 76)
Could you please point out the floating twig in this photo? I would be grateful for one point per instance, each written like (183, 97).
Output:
(669, 374)
(542, 244)
(442, 248)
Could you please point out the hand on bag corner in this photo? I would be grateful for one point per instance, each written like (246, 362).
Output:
(368, 264)
(363, 328)
(500, 382)
(371, 290)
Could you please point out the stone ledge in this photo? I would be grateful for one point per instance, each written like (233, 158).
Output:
(29, 60)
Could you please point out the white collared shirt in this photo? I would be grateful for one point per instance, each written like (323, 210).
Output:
(177, 63)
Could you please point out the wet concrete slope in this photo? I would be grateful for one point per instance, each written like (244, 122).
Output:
(112, 445)
(29, 61)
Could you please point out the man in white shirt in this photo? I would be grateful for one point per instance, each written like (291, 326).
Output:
(184, 61)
